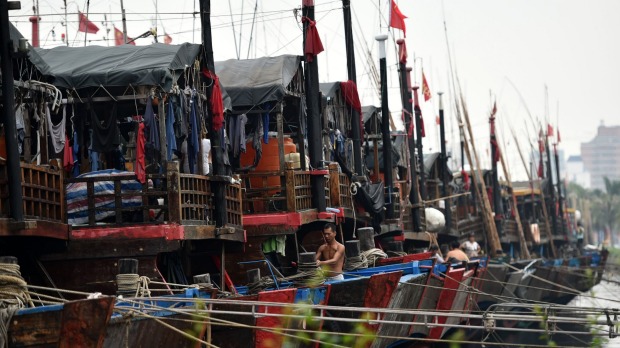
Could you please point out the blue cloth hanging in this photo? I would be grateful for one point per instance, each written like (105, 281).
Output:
(193, 142)
(170, 136)
(266, 124)
(152, 131)
(76, 157)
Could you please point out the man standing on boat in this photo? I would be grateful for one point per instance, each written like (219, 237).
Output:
(330, 255)
(471, 247)
(456, 254)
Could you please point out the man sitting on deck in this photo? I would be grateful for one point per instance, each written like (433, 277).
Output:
(456, 254)
(331, 254)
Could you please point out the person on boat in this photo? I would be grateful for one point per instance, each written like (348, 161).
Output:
(580, 234)
(456, 254)
(471, 247)
(330, 255)
(434, 248)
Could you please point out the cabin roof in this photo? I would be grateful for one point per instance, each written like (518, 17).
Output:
(115, 66)
(329, 89)
(252, 82)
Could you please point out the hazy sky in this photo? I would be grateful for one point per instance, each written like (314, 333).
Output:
(499, 49)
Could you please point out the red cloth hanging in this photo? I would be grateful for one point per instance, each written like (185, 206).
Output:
(217, 105)
(67, 161)
(497, 151)
(140, 167)
(465, 180)
(397, 18)
(352, 98)
(313, 46)
(85, 25)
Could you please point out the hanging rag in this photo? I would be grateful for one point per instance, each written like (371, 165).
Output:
(76, 156)
(140, 167)
(193, 140)
(151, 131)
(92, 154)
(19, 123)
(275, 244)
(106, 135)
(313, 45)
(67, 158)
(352, 98)
(57, 131)
(217, 105)
(205, 153)
(236, 132)
(266, 125)
(170, 134)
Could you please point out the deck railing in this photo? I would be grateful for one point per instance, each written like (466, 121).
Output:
(43, 192)
(196, 199)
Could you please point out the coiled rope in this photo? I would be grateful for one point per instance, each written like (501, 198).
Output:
(372, 255)
(133, 284)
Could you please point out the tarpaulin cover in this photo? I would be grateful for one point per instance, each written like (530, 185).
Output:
(252, 82)
(329, 89)
(115, 66)
(15, 35)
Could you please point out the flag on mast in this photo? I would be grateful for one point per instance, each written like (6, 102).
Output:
(119, 38)
(559, 139)
(549, 130)
(167, 38)
(86, 25)
(397, 18)
(425, 89)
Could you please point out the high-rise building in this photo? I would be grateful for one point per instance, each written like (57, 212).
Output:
(575, 172)
(601, 156)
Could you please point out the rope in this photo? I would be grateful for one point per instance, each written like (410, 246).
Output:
(372, 255)
(133, 284)
(356, 262)
(13, 288)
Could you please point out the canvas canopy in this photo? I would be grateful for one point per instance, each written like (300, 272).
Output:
(252, 82)
(115, 66)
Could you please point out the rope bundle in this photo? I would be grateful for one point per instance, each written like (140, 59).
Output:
(356, 262)
(13, 288)
(372, 255)
(133, 284)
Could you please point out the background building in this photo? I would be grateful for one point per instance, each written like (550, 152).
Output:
(575, 172)
(601, 156)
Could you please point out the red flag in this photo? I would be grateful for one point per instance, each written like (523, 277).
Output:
(559, 139)
(397, 18)
(540, 169)
(425, 89)
(119, 38)
(496, 148)
(549, 130)
(167, 39)
(541, 146)
(86, 25)
(437, 120)
(314, 46)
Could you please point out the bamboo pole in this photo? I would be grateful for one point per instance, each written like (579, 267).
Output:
(522, 243)
(542, 196)
(480, 186)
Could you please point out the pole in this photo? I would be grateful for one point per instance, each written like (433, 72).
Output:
(352, 75)
(219, 168)
(314, 117)
(418, 134)
(8, 112)
(551, 189)
(444, 164)
(497, 197)
(559, 185)
(86, 32)
(66, 25)
(385, 129)
(124, 22)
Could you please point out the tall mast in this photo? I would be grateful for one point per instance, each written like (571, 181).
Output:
(418, 134)
(351, 73)
(314, 117)
(551, 189)
(559, 185)
(8, 114)
(385, 128)
(497, 197)
(444, 165)
(405, 90)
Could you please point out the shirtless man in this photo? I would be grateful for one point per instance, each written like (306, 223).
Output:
(456, 253)
(331, 254)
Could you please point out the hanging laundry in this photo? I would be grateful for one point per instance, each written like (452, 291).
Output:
(21, 129)
(180, 126)
(193, 140)
(217, 104)
(140, 167)
(76, 157)
(92, 154)
(205, 153)
(57, 131)
(266, 124)
(170, 135)
(67, 159)
(106, 135)
(236, 132)
(151, 131)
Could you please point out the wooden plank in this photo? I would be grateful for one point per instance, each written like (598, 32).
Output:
(334, 185)
(290, 188)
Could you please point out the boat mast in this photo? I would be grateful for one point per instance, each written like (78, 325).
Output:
(352, 75)
(406, 95)
(497, 197)
(559, 185)
(444, 164)
(8, 101)
(551, 189)
(418, 134)
(314, 118)
(385, 129)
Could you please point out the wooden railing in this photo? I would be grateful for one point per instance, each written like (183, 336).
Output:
(510, 230)
(344, 184)
(43, 192)
(196, 199)
(464, 227)
(299, 190)
(123, 213)
(234, 201)
(263, 192)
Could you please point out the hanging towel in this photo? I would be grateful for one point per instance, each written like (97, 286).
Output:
(170, 135)
(151, 130)
(140, 167)
(67, 158)
(19, 122)
(76, 157)
(57, 132)
(266, 124)
(106, 136)
(193, 141)
(205, 150)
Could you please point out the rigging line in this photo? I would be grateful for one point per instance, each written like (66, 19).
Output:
(233, 29)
